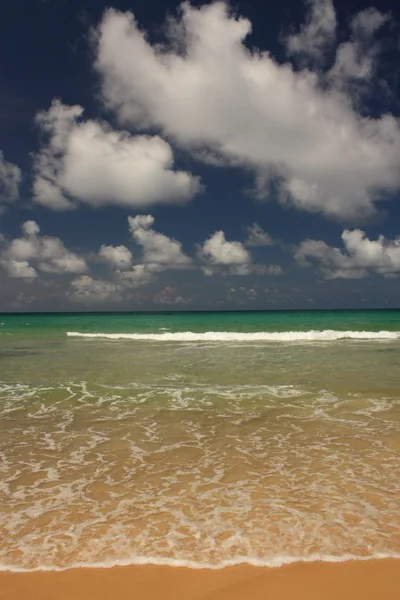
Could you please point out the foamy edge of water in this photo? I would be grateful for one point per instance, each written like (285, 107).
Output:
(257, 336)
(272, 562)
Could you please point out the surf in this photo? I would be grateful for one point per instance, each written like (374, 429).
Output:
(326, 335)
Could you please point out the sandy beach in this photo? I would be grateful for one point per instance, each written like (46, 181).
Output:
(353, 580)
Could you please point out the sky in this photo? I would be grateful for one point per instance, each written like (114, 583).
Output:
(199, 156)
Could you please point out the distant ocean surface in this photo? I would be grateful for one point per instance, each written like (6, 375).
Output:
(202, 439)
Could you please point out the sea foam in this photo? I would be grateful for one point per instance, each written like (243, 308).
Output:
(257, 336)
(270, 562)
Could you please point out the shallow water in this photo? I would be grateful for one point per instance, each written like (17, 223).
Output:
(196, 452)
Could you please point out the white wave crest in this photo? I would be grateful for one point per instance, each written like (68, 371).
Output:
(326, 335)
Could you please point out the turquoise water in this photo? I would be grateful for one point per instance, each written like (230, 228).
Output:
(201, 439)
(240, 321)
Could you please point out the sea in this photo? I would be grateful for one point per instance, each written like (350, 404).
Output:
(203, 439)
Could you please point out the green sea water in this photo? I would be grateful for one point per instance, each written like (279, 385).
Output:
(53, 324)
(202, 439)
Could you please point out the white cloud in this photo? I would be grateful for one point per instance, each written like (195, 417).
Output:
(88, 290)
(258, 237)
(356, 59)
(216, 98)
(88, 162)
(30, 228)
(117, 256)
(10, 178)
(140, 274)
(318, 32)
(158, 253)
(224, 257)
(140, 222)
(157, 248)
(368, 21)
(217, 251)
(18, 269)
(48, 254)
(359, 256)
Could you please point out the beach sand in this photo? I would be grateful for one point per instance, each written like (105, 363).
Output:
(353, 580)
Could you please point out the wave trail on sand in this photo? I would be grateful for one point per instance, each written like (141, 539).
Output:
(257, 336)
(271, 562)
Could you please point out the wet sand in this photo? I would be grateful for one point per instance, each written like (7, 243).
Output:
(354, 580)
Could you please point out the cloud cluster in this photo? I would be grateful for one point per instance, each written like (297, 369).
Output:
(88, 162)
(86, 289)
(299, 131)
(170, 295)
(359, 256)
(158, 253)
(10, 178)
(117, 270)
(242, 294)
(24, 256)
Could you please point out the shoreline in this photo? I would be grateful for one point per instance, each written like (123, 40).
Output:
(349, 580)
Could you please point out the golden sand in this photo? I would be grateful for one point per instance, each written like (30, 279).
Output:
(354, 580)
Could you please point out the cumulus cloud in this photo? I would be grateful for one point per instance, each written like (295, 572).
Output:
(216, 250)
(48, 254)
(157, 253)
(123, 270)
(119, 257)
(258, 237)
(140, 274)
(88, 162)
(356, 59)
(18, 269)
(10, 178)
(359, 256)
(88, 289)
(317, 34)
(224, 257)
(157, 248)
(299, 131)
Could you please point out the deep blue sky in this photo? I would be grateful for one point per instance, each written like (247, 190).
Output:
(47, 52)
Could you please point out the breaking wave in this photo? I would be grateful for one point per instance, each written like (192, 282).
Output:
(257, 336)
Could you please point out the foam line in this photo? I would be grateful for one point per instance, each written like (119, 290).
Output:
(271, 562)
(257, 336)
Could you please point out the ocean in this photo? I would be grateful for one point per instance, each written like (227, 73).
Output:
(202, 439)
